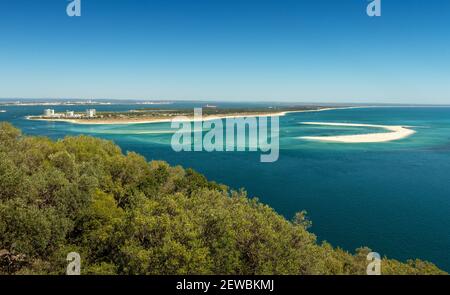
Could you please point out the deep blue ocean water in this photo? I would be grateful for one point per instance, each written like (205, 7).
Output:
(393, 197)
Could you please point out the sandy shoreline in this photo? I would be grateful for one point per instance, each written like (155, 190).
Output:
(397, 132)
(150, 121)
(188, 119)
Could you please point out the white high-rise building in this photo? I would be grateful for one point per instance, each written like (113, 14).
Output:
(49, 113)
(91, 113)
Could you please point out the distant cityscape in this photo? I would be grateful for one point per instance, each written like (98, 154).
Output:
(63, 102)
(52, 103)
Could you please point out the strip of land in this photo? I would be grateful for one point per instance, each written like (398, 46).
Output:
(397, 132)
(146, 116)
(148, 120)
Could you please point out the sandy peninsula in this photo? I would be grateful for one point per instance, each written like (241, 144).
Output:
(396, 133)
(128, 120)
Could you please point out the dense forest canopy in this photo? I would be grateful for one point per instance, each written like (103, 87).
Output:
(127, 216)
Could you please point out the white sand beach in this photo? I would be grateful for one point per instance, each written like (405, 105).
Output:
(397, 132)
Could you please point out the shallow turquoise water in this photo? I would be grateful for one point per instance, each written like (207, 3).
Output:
(393, 197)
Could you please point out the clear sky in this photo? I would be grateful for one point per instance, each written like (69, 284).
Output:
(259, 50)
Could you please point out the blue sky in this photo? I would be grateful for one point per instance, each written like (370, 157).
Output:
(259, 50)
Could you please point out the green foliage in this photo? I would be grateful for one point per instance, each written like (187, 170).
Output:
(127, 216)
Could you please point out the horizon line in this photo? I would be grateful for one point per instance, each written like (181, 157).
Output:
(231, 101)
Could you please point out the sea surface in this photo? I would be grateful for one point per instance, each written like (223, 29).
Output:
(393, 197)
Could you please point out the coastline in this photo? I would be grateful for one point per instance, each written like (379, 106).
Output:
(131, 121)
(397, 133)
(153, 121)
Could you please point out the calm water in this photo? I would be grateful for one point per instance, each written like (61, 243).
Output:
(393, 197)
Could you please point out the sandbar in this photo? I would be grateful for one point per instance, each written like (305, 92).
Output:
(397, 132)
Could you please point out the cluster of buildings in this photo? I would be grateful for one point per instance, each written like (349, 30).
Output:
(50, 113)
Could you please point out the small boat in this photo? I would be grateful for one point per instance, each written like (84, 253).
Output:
(2, 111)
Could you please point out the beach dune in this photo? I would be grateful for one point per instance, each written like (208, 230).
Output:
(397, 132)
